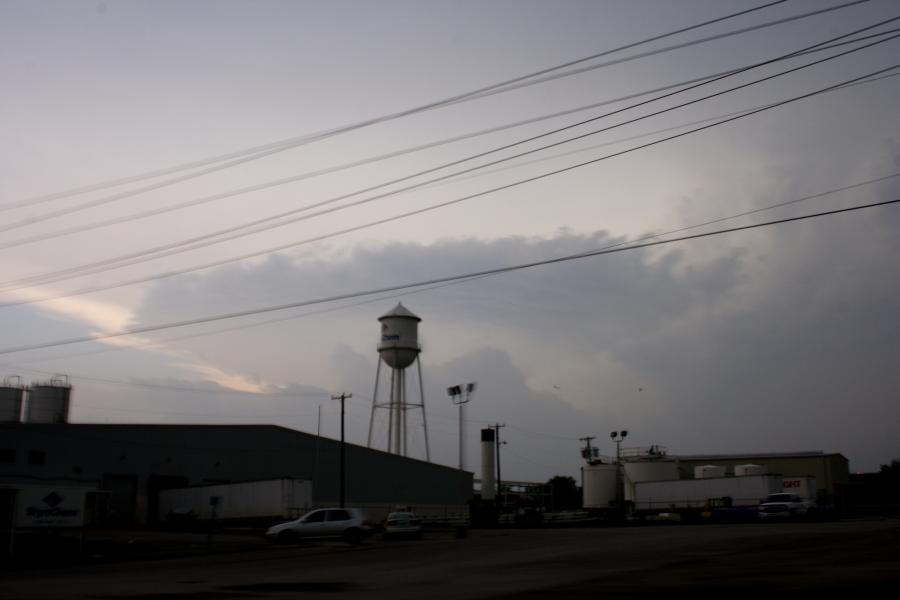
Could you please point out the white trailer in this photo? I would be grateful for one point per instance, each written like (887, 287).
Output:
(805, 487)
(281, 498)
(749, 490)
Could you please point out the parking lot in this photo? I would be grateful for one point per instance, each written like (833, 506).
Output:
(627, 562)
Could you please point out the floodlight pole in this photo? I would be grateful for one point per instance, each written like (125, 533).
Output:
(456, 396)
(618, 437)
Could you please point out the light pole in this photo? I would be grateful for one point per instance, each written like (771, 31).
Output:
(342, 397)
(618, 437)
(456, 395)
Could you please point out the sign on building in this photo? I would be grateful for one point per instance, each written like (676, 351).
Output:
(51, 506)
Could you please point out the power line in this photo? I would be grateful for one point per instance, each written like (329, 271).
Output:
(470, 95)
(424, 289)
(244, 313)
(36, 279)
(71, 230)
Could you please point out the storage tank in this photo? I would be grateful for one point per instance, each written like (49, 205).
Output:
(399, 344)
(708, 471)
(49, 402)
(12, 396)
(747, 470)
(598, 485)
(648, 470)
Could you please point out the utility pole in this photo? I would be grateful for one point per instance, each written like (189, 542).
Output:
(496, 428)
(342, 397)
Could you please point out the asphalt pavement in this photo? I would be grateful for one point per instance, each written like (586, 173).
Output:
(733, 561)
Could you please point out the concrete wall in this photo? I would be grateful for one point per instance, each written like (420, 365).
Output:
(136, 460)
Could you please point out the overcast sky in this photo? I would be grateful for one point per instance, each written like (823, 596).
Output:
(777, 339)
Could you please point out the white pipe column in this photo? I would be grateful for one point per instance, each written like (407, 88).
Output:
(488, 469)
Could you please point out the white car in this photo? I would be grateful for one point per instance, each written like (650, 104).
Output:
(783, 506)
(347, 524)
(403, 524)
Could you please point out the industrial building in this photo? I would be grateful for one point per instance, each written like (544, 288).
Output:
(696, 479)
(831, 470)
(132, 463)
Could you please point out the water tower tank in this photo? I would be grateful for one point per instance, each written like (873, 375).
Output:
(708, 472)
(399, 344)
(12, 396)
(48, 402)
(599, 485)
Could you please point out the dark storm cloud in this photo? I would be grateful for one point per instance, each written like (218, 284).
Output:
(775, 340)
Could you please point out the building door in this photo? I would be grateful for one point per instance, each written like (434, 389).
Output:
(122, 497)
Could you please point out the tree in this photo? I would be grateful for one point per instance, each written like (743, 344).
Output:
(564, 493)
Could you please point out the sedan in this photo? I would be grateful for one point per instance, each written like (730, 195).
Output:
(403, 524)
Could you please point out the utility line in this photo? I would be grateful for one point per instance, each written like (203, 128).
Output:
(71, 230)
(472, 94)
(101, 201)
(631, 138)
(267, 309)
(47, 277)
(409, 292)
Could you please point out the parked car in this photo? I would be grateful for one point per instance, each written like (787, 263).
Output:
(783, 506)
(403, 524)
(347, 524)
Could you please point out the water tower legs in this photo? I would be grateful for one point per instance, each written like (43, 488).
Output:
(398, 406)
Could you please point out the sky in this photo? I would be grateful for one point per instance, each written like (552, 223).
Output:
(778, 339)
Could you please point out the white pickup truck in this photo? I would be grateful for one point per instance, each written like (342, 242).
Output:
(783, 506)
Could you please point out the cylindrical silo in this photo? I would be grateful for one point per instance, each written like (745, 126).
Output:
(599, 486)
(488, 479)
(399, 344)
(12, 396)
(48, 402)
(648, 470)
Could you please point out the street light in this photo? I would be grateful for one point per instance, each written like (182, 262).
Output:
(456, 395)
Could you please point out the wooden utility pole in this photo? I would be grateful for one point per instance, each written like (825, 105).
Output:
(342, 397)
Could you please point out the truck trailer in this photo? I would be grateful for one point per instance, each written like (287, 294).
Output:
(268, 499)
(690, 494)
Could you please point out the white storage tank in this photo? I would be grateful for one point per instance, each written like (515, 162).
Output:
(12, 396)
(708, 472)
(747, 470)
(598, 485)
(49, 402)
(399, 344)
(648, 470)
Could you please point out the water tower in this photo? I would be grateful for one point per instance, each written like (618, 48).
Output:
(399, 350)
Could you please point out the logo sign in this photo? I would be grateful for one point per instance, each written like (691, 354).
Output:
(44, 506)
(792, 484)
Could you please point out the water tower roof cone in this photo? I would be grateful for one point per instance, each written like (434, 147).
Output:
(399, 311)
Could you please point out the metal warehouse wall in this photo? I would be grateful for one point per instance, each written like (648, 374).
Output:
(134, 461)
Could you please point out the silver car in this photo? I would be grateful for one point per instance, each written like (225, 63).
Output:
(347, 524)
